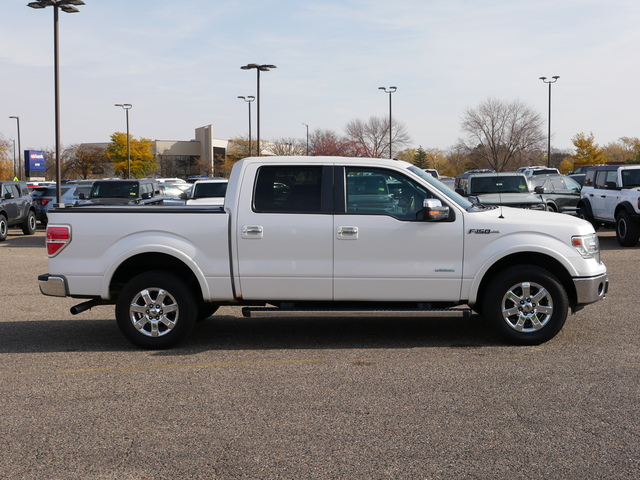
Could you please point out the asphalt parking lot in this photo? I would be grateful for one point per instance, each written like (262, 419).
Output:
(315, 398)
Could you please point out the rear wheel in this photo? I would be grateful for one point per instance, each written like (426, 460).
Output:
(526, 304)
(29, 224)
(627, 231)
(156, 310)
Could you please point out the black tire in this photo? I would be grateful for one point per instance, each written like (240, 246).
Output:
(627, 231)
(585, 215)
(30, 223)
(206, 309)
(552, 208)
(156, 310)
(4, 228)
(526, 304)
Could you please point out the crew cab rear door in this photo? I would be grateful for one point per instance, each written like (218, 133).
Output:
(284, 233)
(382, 251)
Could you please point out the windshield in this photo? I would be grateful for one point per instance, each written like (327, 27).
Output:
(115, 189)
(497, 184)
(631, 178)
(434, 182)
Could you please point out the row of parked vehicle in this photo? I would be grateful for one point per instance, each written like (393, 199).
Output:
(605, 195)
(23, 204)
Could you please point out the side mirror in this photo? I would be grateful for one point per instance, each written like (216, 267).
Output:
(183, 196)
(539, 190)
(460, 191)
(433, 210)
(8, 196)
(82, 196)
(146, 196)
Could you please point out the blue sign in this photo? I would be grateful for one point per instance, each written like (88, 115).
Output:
(34, 161)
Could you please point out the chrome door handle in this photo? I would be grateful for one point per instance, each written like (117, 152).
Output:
(252, 231)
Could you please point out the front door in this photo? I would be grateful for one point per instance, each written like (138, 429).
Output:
(383, 252)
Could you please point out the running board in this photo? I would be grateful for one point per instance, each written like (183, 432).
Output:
(277, 312)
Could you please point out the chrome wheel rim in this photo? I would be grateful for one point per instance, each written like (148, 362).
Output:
(527, 307)
(154, 312)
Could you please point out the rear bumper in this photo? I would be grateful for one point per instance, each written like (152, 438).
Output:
(590, 289)
(53, 285)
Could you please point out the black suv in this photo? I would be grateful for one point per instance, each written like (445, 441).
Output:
(16, 208)
(123, 192)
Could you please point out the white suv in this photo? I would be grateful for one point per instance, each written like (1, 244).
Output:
(610, 196)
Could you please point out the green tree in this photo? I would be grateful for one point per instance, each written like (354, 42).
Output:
(421, 159)
(143, 162)
(588, 152)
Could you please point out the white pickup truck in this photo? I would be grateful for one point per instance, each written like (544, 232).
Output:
(325, 236)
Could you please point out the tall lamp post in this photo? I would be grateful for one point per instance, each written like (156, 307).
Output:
(127, 107)
(19, 171)
(259, 68)
(66, 6)
(390, 90)
(554, 79)
(249, 99)
(307, 138)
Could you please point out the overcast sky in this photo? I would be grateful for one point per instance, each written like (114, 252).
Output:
(178, 62)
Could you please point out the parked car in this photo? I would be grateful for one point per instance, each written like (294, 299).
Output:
(508, 189)
(206, 192)
(142, 191)
(16, 208)
(559, 192)
(611, 197)
(583, 168)
(45, 197)
(532, 171)
(171, 193)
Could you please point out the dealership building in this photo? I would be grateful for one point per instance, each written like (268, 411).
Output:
(181, 158)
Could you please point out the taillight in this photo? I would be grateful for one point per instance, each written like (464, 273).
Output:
(58, 237)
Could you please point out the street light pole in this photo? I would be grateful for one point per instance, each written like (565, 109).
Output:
(259, 68)
(66, 6)
(19, 174)
(554, 79)
(127, 107)
(249, 99)
(389, 91)
(307, 138)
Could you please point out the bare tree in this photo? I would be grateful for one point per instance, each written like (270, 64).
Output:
(85, 161)
(503, 134)
(372, 136)
(286, 147)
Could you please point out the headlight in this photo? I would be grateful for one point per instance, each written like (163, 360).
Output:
(587, 245)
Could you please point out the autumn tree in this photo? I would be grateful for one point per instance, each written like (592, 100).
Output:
(588, 152)
(372, 136)
(625, 150)
(143, 162)
(6, 160)
(329, 143)
(503, 134)
(84, 161)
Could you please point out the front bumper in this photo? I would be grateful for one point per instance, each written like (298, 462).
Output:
(590, 289)
(53, 285)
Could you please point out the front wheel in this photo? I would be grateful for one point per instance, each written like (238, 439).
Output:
(526, 304)
(156, 310)
(627, 231)
(4, 228)
(585, 215)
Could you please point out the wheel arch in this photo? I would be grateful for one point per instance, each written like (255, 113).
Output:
(626, 205)
(533, 259)
(149, 261)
